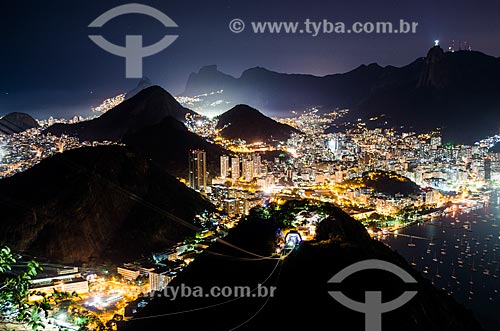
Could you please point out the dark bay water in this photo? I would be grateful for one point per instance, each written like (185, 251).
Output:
(460, 254)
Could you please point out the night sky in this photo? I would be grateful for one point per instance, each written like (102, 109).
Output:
(49, 66)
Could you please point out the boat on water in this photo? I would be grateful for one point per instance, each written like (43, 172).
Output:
(466, 245)
(411, 244)
(453, 276)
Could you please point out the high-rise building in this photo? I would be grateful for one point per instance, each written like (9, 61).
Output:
(224, 166)
(333, 145)
(198, 170)
(159, 279)
(436, 142)
(487, 169)
(248, 166)
(231, 207)
(257, 164)
(235, 168)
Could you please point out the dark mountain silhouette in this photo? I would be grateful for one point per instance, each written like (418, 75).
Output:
(301, 299)
(168, 144)
(101, 203)
(454, 90)
(148, 107)
(278, 92)
(249, 124)
(150, 123)
(16, 122)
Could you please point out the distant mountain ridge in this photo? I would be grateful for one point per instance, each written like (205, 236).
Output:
(143, 83)
(148, 107)
(454, 90)
(249, 124)
(16, 123)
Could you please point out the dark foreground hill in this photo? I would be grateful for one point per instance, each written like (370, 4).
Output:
(101, 203)
(148, 107)
(301, 299)
(249, 124)
(16, 122)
